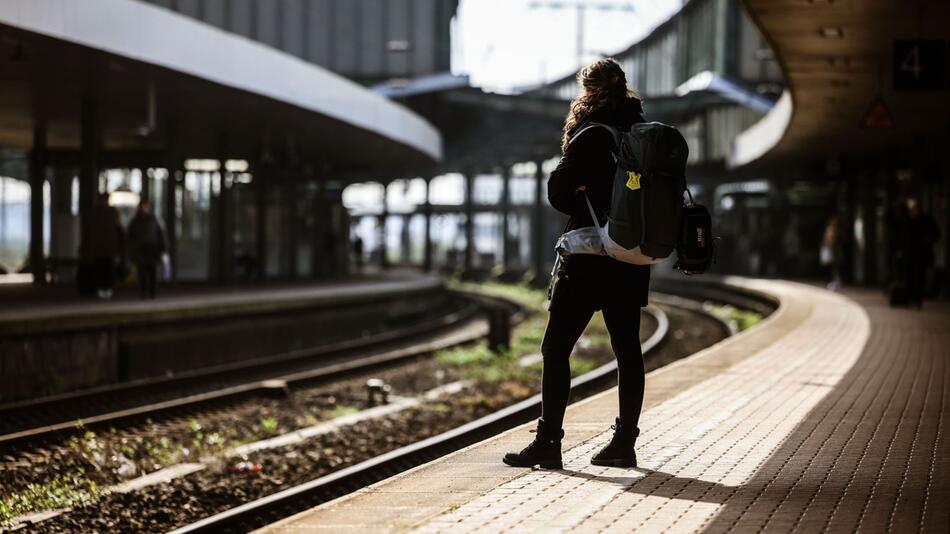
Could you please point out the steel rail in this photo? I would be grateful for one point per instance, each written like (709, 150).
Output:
(455, 328)
(273, 507)
(284, 503)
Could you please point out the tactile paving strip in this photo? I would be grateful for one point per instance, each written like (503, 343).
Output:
(837, 427)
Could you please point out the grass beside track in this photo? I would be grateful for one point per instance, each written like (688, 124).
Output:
(479, 363)
(741, 319)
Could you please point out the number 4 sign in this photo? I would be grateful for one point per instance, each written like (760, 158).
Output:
(920, 64)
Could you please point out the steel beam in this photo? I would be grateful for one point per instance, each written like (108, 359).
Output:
(427, 211)
(469, 221)
(88, 167)
(505, 208)
(381, 226)
(536, 224)
(37, 180)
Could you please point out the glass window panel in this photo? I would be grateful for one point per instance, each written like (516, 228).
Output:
(194, 221)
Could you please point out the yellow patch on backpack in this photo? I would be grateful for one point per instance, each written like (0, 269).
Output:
(633, 180)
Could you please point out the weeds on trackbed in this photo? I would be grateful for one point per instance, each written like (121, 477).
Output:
(741, 319)
(63, 492)
(343, 409)
(481, 364)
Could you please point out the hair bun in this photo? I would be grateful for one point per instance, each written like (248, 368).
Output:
(604, 86)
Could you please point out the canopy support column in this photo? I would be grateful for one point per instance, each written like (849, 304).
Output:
(536, 229)
(37, 181)
(505, 209)
(381, 226)
(469, 222)
(427, 208)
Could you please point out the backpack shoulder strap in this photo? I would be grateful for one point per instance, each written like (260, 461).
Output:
(590, 125)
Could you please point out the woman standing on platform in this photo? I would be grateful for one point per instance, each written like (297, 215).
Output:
(587, 283)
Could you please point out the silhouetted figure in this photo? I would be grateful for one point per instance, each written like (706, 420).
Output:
(105, 246)
(791, 247)
(245, 264)
(147, 245)
(587, 282)
(915, 233)
(358, 252)
(830, 255)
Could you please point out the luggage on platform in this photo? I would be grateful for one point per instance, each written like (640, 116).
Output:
(898, 295)
(696, 249)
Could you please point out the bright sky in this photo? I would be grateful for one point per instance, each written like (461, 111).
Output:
(506, 44)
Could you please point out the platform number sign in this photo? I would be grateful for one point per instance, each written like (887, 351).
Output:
(920, 64)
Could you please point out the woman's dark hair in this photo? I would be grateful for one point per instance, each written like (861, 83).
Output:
(603, 86)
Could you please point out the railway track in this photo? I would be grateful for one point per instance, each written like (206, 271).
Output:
(214, 387)
(463, 326)
(301, 497)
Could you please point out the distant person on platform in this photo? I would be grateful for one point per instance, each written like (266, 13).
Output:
(147, 247)
(105, 247)
(830, 253)
(915, 234)
(358, 252)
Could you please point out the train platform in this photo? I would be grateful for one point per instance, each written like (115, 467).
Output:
(54, 344)
(831, 415)
(26, 306)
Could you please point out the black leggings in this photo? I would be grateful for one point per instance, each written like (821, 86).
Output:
(566, 323)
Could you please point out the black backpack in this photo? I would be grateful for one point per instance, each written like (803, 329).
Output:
(648, 218)
(643, 223)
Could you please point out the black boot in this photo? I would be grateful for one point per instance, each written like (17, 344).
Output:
(619, 452)
(544, 451)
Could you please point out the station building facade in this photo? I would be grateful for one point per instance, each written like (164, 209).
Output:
(708, 70)
(240, 120)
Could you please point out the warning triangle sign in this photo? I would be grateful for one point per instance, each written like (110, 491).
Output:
(878, 117)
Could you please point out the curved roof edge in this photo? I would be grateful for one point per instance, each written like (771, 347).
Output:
(157, 36)
(758, 139)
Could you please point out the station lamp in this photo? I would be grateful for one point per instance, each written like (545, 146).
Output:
(831, 32)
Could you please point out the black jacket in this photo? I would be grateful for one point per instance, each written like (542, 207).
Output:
(588, 161)
(146, 238)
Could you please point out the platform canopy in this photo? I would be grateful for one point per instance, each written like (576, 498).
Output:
(160, 79)
(864, 76)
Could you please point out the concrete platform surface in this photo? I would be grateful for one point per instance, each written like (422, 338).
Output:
(830, 416)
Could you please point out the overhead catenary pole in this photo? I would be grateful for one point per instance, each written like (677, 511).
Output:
(580, 9)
